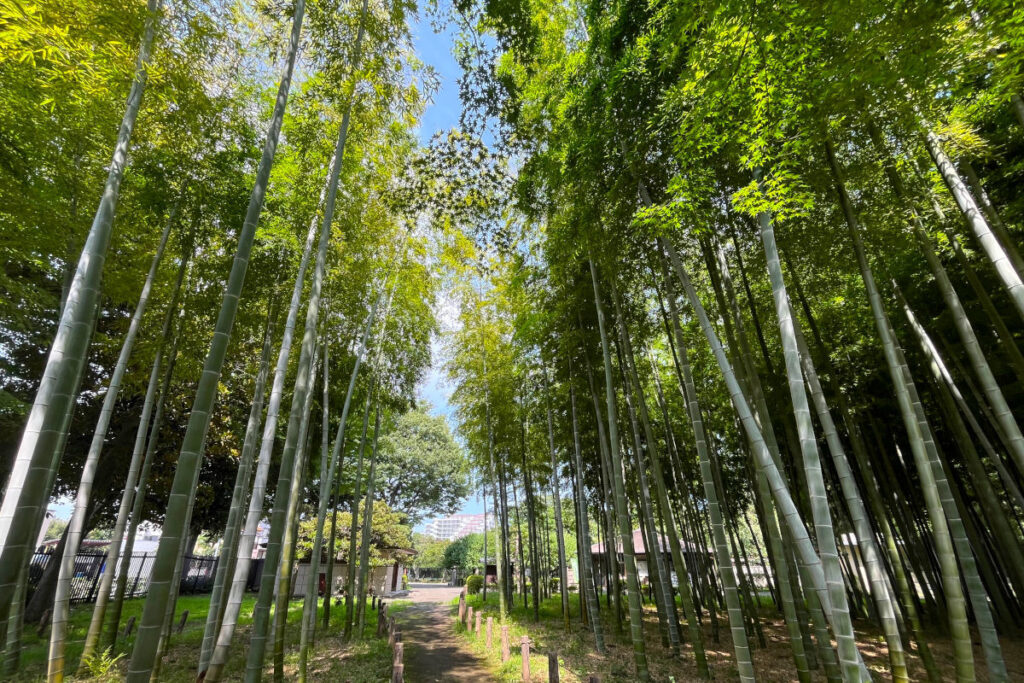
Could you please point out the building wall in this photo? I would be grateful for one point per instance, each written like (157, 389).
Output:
(379, 579)
(456, 526)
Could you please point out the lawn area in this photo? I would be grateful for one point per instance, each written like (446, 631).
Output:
(364, 661)
(578, 658)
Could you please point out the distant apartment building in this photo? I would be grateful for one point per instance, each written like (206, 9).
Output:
(456, 526)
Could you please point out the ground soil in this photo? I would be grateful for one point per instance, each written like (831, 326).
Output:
(772, 663)
(433, 652)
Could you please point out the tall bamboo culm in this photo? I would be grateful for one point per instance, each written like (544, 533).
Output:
(39, 451)
(143, 657)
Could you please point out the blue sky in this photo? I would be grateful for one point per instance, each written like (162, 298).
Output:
(436, 50)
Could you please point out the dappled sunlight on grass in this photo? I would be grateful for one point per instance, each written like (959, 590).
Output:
(578, 658)
(364, 660)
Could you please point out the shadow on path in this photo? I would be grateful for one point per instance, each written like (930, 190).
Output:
(433, 653)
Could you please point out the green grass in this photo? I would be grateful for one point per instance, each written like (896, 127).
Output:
(519, 625)
(364, 661)
(577, 657)
(396, 606)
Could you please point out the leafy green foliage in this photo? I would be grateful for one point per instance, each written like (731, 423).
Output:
(468, 552)
(388, 533)
(430, 552)
(422, 471)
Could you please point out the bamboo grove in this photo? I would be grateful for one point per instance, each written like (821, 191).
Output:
(205, 352)
(757, 278)
(735, 282)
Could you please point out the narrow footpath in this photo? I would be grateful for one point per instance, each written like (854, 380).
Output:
(433, 653)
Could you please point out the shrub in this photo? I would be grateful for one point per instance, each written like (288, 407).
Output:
(474, 584)
(553, 583)
(103, 667)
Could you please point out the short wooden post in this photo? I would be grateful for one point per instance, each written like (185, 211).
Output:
(524, 651)
(181, 623)
(462, 606)
(469, 618)
(373, 602)
(478, 624)
(391, 631)
(44, 621)
(397, 666)
(505, 647)
(490, 633)
(552, 667)
(129, 626)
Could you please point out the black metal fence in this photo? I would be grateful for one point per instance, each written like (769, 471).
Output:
(197, 573)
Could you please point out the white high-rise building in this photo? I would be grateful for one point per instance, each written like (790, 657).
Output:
(456, 526)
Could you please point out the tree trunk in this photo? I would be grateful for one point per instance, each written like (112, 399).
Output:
(977, 223)
(682, 574)
(290, 474)
(995, 221)
(658, 574)
(563, 570)
(291, 524)
(610, 552)
(533, 536)
(61, 604)
(586, 580)
(849, 656)
(520, 546)
(1006, 339)
(866, 541)
(985, 493)
(349, 614)
(92, 638)
(955, 602)
(501, 558)
(332, 466)
(961, 542)
(239, 502)
(28, 485)
(255, 511)
(979, 363)
(779, 491)
(353, 527)
(958, 530)
(139, 496)
(187, 471)
(854, 502)
(364, 550)
(993, 394)
(325, 453)
(621, 510)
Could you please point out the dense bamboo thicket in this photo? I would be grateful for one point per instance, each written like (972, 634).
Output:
(760, 264)
(237, 114)
(737, 280)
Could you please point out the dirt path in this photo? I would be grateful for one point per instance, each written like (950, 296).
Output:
(433, 653)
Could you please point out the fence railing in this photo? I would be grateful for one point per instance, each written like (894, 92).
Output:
(197, 573)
